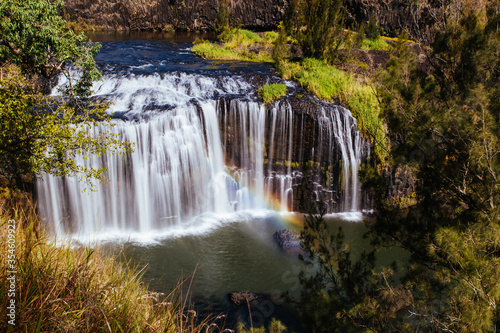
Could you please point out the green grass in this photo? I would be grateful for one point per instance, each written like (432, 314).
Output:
(327, 82)
(236, 46)
(272, 92)
(208, 50)
(377, 44)
(63, 289)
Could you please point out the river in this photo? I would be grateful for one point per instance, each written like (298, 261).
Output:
(213, 175)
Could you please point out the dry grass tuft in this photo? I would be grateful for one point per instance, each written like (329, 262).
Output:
(63, 289)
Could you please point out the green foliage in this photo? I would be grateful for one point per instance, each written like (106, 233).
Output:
(281, 51)
(270, 36)
(327, 82)
(85, 289)
(236, 47)
(316, 25)
(332, 283)
(275, 326)
(35, 38)
(38, 133)
(239, 36)
(375, 44)
(272, 92)
(222, 21)
(322, 80)
(360, 37)
(372, 30)
(207, 50)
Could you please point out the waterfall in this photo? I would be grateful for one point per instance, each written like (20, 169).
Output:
(200, 146)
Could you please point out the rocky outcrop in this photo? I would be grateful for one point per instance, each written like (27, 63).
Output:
(288, 241)
(311, 142)
(392, 15)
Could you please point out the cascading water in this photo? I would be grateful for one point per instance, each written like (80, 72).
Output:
(203, 145)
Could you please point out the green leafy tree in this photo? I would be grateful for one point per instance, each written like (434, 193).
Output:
(372, 30)
(34, 37)
(39, 133)
(333, 284)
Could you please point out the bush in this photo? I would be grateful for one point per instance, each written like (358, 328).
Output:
(372, 30)
(222, 20)
(375, 44)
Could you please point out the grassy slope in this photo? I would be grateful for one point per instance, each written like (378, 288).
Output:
(59, 288)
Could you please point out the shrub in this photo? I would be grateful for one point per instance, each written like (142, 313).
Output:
(372, 30)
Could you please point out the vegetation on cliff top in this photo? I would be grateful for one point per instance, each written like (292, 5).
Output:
(272, 92)
(316, 76)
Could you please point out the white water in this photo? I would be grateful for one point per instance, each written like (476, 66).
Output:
(179, 170)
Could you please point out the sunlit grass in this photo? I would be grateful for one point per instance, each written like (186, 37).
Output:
(377, 44)
(63, 289)
(326, 82)
(237, 45)
(272, 92)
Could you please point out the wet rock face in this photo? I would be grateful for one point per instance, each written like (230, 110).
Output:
(393, 16)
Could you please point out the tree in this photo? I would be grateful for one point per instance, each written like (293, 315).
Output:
(40, 133)
(443, 122)
(222, 22)
(444, 126)
(316, 25)
(332, 283)
(34, 37)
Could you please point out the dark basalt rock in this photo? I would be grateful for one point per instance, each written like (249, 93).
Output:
(167, 14)
(245, 298)
(393, 16)
(242, 297)
(286, 239)
(289, 242)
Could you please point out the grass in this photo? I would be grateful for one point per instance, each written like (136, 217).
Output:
(326, 82)
(238, 44)
(64, 289)
(377, 44)
(272, 92)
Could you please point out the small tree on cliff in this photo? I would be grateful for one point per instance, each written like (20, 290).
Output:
(38, 133)
(316, 25)
(222, 22)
